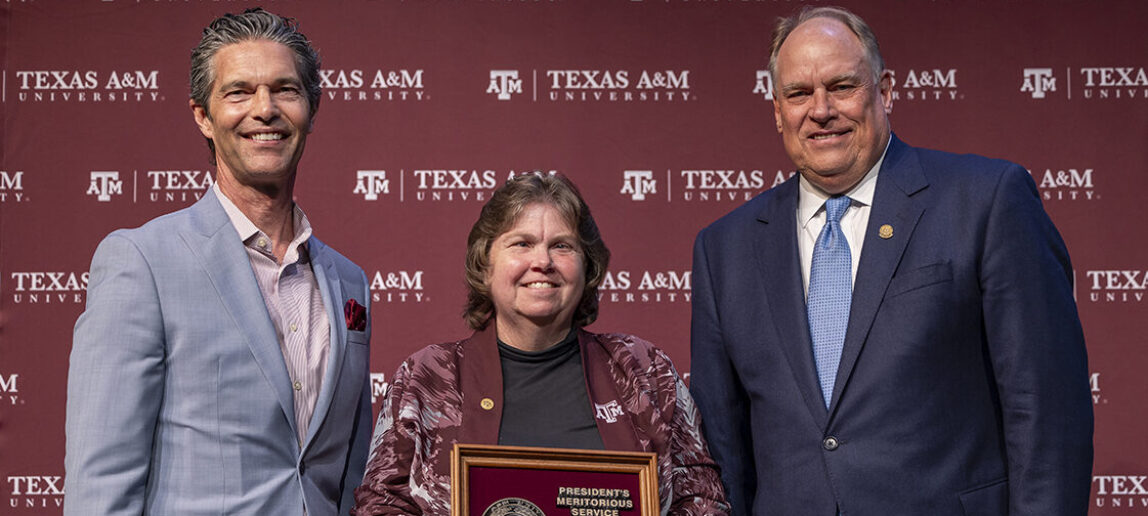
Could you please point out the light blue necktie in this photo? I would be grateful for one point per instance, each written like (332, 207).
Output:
(830, 291)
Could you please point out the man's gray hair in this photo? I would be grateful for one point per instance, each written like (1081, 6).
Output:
(786, 25)
(253, 24)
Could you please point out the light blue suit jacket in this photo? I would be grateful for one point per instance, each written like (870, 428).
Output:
(179, 401)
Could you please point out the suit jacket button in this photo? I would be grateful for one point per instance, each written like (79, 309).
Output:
(830, 443)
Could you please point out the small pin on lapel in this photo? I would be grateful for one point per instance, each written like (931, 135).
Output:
(486, 403)
(886, 231)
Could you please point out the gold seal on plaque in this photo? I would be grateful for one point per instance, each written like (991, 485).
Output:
(513, 507)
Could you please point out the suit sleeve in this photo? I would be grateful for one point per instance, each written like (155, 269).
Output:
(361, 430)
(115, 385)
(718, 391)
(386, 487)
(1036, 346)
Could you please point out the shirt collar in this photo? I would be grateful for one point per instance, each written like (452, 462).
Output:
(248, 231)
(810, 199)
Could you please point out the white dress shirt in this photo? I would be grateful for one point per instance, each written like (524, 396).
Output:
(295, 304)
(811, 218)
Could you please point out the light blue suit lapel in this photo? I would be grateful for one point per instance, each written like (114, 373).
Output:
(330, 287)
(775, 245)
(895, 204)
(216, 245)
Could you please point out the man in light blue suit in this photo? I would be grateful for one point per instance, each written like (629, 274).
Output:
(893, 330)
(221, 364)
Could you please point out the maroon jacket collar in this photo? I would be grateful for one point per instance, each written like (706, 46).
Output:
(480, 372)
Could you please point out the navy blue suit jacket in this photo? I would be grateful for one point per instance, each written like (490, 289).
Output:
(963, 385)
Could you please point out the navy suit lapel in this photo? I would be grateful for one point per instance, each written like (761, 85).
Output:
(323, 264)
(216, 245)
(775, 245)
(894, 204)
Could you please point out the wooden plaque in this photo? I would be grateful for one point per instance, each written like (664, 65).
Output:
(519, 481)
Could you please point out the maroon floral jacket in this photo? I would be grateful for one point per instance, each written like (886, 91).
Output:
(435, 399)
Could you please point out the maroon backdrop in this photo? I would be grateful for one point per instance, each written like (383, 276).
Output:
(659, 110)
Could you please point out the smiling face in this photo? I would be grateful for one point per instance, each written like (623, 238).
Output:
(259, 116)
(537, 272)
(832, 117)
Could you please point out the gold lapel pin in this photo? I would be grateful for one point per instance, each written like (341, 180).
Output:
(486, 403)
(885, 232)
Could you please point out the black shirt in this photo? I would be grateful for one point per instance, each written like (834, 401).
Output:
(544, 398)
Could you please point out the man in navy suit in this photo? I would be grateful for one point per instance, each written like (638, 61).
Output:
(945, 374)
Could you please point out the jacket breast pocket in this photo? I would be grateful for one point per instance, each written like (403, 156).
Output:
(357, 337)
(918, 278)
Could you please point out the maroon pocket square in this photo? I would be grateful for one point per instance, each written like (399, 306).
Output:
(356, 315)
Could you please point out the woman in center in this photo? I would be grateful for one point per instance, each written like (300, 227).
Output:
(530, 375)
